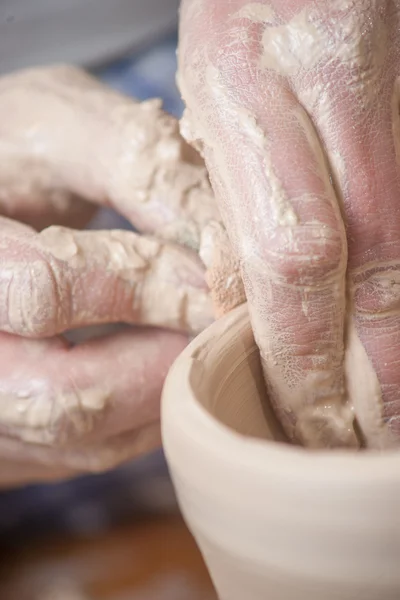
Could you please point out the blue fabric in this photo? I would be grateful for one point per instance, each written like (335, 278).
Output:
(96, 502)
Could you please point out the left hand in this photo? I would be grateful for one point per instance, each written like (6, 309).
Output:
(68, 143)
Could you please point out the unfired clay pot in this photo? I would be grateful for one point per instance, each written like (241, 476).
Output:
(273, 521)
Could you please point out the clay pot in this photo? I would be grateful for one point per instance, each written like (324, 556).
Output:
(273, 521)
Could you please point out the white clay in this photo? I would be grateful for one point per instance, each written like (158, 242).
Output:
(273, 520)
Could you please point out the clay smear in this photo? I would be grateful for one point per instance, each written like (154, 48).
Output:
(42, 416)
(223, 275)
(309, 39)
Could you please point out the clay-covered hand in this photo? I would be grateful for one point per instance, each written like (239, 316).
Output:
(68, 143)
(295, 104)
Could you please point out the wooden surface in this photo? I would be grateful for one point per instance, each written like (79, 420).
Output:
(154, 559)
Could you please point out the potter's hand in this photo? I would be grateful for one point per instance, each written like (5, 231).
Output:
(64, 137)
(296, 106)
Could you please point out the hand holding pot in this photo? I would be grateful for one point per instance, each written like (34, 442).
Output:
(295, 107)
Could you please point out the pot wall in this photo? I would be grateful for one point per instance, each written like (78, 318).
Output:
(273, 521)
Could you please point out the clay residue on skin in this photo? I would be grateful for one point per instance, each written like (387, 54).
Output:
(42, 416)
(109, 149)
(61, 279)
(284, 214)
(247, 123)
(292, 46)
(307, 40)
(255, 12)
(223, 275)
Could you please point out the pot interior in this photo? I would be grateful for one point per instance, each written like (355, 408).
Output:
(229, 383)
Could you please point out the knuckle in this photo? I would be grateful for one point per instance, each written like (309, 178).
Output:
(34, 307)
(296, 256)
(376, 291)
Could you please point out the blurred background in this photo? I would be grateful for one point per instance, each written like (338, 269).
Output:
(117, 536)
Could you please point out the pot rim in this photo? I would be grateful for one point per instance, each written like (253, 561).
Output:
(181, 409)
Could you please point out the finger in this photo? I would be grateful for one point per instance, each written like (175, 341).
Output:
(80, 136)
(43, 464)
(358, 121)
(62, 279)
(53, 396)
(32, 194)
(267, 168)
